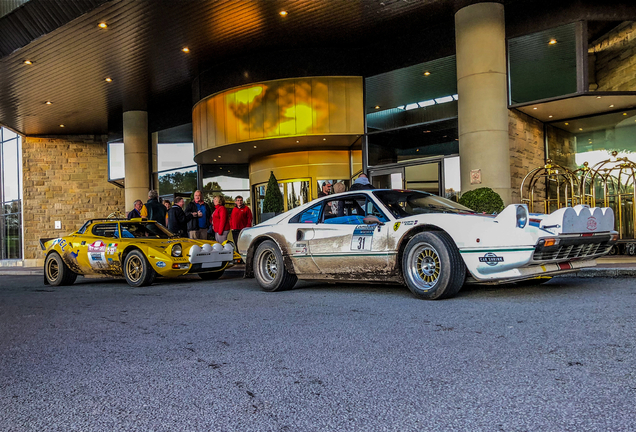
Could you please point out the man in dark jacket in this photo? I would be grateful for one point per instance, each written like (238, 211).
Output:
(156, 210)
(136, 211)
(177, 219)
(198, 226)
(361, 183)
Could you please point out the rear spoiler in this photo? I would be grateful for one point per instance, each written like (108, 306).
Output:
(43, 241)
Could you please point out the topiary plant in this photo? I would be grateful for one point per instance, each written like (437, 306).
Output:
(482, 200)
(273, 202)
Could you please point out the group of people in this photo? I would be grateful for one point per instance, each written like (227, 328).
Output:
(361, 183)
(197, 219)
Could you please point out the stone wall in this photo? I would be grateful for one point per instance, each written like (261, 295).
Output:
(527, 151)
(65, 179)
(615, 59)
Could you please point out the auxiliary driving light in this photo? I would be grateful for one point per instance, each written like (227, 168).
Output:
(522, 216)
(176, 250)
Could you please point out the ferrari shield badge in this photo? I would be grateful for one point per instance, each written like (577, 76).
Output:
(396, 226)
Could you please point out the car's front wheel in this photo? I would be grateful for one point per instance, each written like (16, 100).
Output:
(137, 269)
(269, 269)
(432, 266)
(57, 272)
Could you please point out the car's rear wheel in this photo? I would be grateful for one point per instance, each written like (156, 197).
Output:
(57, 272)
(137, 269)
(211, 275)
(269, 268)
(432, 266)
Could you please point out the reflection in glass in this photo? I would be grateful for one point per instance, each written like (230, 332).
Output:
(296, 192)
(231, 180)
(181, 180)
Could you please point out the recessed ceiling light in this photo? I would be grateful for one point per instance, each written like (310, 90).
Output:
(552, 42)
(28, 62)
(427, 131)
(535, 108)
(282, 13)
(580, 128)
(611, 106)
(61, 125)
(48, 103)
(185, 49)
(219, 156)
(427, 73)
(239, 149)
(324, 139)
(417, 150)
(297, 141)
(102, 25)
(567, 124)
(377, 107)
(549, 116)
(624, 113)
(598, 97)
(254, 146)
(108, 79)
(214, 160)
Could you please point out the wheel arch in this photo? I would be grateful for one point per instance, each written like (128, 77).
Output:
(249, 260)
(409, 235)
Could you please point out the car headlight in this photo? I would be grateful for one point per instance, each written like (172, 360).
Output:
(176, 250)
(522, 216)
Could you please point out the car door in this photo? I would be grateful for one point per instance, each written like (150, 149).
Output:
(343, 244)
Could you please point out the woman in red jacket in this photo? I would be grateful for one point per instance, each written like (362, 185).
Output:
(220, 220)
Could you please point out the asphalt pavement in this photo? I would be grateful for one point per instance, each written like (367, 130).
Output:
(189, 355)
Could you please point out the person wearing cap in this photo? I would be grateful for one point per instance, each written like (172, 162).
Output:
(326, 188)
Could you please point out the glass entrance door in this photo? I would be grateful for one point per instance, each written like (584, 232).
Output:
(387, 178)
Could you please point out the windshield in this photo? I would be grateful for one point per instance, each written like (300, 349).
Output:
(144, 230)
(409, 203)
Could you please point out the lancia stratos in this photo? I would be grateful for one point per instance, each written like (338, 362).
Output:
(137, 249)
(431, 244)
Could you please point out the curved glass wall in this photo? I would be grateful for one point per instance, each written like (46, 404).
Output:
(10, 195)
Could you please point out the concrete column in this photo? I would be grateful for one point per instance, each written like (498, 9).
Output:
(482, 88)
(136, 156)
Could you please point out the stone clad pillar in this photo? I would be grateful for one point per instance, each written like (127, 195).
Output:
(482, 88)
(136, 157)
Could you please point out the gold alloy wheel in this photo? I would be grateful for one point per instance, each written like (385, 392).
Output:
(52, 269)
(424, 266)
(134, 268)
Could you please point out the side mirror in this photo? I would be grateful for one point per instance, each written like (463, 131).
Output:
(370, 220)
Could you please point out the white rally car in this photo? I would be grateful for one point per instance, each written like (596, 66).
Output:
(430, 243)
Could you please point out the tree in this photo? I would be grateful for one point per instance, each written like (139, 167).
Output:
(273, 202)
(177, 182)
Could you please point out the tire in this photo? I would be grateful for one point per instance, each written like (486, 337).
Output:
(432, 267)
(57, 272)
(137, 269)
(211, 275)
(269, 268)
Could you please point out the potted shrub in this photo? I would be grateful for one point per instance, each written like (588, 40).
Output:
(482, 200)
(273, 202)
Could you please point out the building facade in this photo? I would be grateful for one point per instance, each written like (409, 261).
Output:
(105, 100)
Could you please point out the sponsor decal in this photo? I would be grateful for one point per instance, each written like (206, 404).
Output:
(491, 259)
(591, 223)
(161, 264)
(110, 260)
(63, 245)
(409, 223)
(75, 254)
(396, 226)
(96, 255)
(300, 249)
(97, 246)
(112, 249)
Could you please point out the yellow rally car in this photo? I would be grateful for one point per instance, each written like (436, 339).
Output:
(137, 249)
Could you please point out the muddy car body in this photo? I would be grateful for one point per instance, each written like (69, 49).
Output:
(431, 244)
(137, 249)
